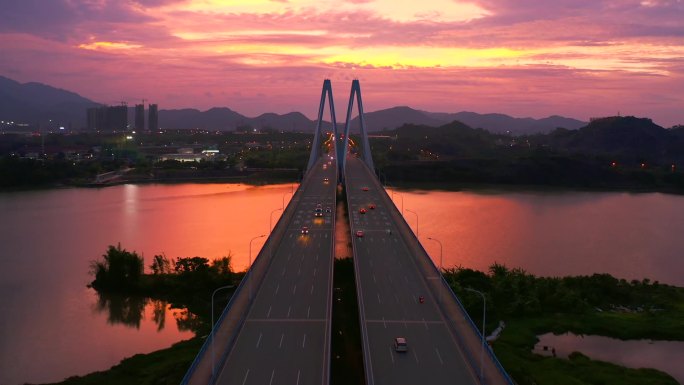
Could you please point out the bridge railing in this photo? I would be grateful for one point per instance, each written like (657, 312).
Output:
(462, 326)
(227, 328)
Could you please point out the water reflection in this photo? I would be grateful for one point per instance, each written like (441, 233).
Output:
(661, 355)
(130, 311)
(124, 310)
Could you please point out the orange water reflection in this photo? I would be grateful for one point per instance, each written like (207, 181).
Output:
(631, 236)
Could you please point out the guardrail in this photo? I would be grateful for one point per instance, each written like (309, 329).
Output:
(226, 329)
(368, 367)
(470, 343)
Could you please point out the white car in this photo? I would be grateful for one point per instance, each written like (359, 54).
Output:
(400, 344)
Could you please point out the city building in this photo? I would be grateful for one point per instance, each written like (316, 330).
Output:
(153, 118)
(140, 117)
(108, 118)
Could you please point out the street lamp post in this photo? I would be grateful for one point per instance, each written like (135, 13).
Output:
(402, 201)
(213, 355)
(416, 214)
(440, 263)
(484, 313)
(284, 199)
(270, 221)
(250, 264)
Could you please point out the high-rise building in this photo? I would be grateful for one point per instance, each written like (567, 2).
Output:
(140, 117)
(108, 118)
(153, 118)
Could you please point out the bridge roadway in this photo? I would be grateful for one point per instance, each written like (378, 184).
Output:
(389, 283)
(285, 337)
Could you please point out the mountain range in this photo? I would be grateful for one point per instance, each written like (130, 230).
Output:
(38, 104)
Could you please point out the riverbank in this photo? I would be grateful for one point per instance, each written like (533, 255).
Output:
(588, 305)
(529, 306)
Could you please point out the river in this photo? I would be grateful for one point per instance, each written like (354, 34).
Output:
(52, 327)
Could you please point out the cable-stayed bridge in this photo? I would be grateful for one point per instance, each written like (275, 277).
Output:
(276, 329)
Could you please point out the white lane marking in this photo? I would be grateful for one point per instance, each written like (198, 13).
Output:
(281, 340)
(379, 301)
(391, 354)
(268, 315)
(244, 380)
(311, 289)
(384, 323)
(272, 373)
(304, 341)
(308, 310)
(415, 355)
(425, 323)
(315, 269)
(299, 271)
(298, 372)
(283, 273)
(259, 340)
(374, 281)
(277, 288)
(288, 311)
(439, 356)
(294, 289)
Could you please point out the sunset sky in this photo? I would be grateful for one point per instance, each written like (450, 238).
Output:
(576, 58)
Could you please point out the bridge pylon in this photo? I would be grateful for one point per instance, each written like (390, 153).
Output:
(367, 157)
(340, 148)
(316, 144)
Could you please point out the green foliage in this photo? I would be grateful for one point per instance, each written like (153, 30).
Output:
(118, 268)
(594, 305)
(160, 265)
(163, 367)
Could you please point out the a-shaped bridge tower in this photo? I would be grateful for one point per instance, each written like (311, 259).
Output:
(341, 140)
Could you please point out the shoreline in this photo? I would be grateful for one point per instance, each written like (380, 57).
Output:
(514, 346)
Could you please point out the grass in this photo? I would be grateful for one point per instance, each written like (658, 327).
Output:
(167, 366)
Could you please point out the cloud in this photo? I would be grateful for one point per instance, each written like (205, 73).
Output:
(529, 56)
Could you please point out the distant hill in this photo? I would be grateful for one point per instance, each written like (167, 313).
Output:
(225, 119)
(37, 103)
(625, 137)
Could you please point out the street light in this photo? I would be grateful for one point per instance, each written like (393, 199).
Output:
(284, 199)
(440, 261)
(270, 221)
(402, 201)
(416, 214)
(249, 280)
(484, 313)
(213, 355)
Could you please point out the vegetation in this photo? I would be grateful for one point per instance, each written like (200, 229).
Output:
(598, 305)
(163, 367)
(346, 361)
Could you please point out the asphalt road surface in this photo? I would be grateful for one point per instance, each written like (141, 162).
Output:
(389, 286)
(284, 339)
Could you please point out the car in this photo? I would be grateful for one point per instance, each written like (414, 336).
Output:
(305, 230)
(400, 344)
(364, 188)
(326, 180)
(362, 211)
(318, 212)
(371, 206)
(328, 210)
(359, 233)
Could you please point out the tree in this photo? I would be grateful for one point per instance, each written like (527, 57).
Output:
(161, 265)
(118, 268)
